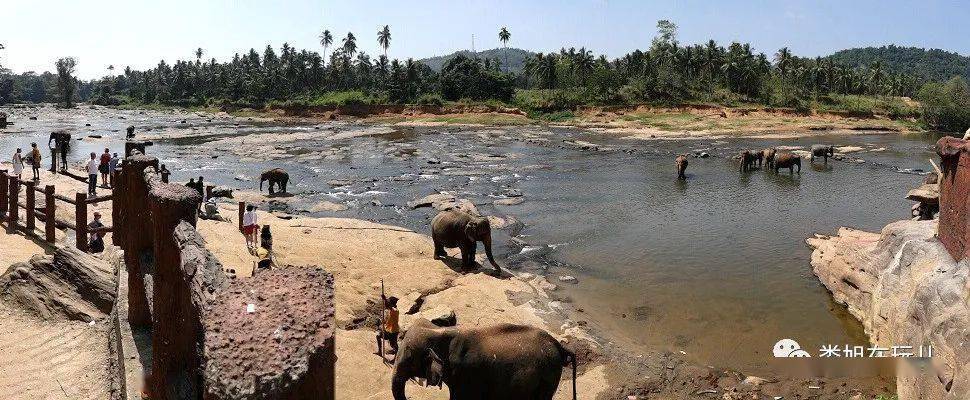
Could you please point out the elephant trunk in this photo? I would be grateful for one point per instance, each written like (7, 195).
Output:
(487, 242)
(261, 180)
(397, 386)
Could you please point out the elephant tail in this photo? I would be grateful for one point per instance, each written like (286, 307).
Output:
(569, 357)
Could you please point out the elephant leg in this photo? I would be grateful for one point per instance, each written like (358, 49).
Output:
(439, 249)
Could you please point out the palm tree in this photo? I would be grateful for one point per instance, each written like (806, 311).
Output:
(350, 45)
(876, 76)
(384, 38)
(504, 36)
(325, 40)
(198, 54)
(783, 60)
(111, 68)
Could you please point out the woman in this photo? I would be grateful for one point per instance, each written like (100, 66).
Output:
(250, 227)
(103, 167)
(18, 163)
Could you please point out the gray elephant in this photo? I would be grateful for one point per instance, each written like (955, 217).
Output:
(502, 361)
(788, 160)
(769, 157)
(681, 166)
(748, 160)
(455, 228)
(820, 150)
(275, 176)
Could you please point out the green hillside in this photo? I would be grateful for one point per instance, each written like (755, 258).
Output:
(516, 58)
(931, 65)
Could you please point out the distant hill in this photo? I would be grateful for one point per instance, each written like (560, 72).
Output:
(516, 58)
(933, 64)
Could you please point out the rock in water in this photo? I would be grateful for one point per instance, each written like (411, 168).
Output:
(70, 283)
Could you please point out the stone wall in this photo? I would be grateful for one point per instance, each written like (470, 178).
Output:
(178, 288)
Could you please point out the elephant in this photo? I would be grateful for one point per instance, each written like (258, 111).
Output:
(769, 157)
(456, 228)
(130, 132)
(62, 145)
(275, 176)
(757, 156)
(747, 160)
(502, 361)
(788, 160)
(819, 150)
(681, 166)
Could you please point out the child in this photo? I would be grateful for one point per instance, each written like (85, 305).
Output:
(391, 328)
(250, 227)
(35, 161)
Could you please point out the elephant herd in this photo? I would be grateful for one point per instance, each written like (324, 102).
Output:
(769, 157)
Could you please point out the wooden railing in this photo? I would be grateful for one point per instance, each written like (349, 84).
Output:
(10, 205)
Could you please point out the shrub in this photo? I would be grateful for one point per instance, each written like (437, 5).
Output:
(946, 106)
(430, 99)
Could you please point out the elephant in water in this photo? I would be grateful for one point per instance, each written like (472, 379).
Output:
(502, 361)
(819, 150)
(681, 166)
(769, 156)
(788, 160)
(275, 176)
(455, 228)
(748, 160)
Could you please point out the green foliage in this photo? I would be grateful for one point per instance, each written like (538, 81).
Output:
(430, 99)
(946, 106)
(65, 80)
(549, 100)
(894, 107)
(464, 77)
(514, 63)
(928, 65)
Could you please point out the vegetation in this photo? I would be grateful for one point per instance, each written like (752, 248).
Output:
(668, 72)
(928, 65)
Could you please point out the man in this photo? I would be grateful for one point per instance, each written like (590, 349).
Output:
(113, 168)
(93, 175)
(35, 161)
(104, 167)
(96, 238)
(390, 329)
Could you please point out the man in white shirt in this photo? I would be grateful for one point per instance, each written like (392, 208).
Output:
(92, 174)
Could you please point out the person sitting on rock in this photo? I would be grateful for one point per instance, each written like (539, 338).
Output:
(211, 211)
(390, 329)
(96, 238)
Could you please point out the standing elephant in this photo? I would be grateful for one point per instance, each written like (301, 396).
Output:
(681, 166)
(275, 176)
(747, 160)
(788, 160)
(769, 156)
(819, 150)
(455, 228)
(502, 361)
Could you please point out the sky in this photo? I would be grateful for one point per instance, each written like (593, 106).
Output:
(139, 33)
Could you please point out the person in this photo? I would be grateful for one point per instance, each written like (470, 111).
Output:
(250, 227)
(103, 167)
(200, 187)
(18, 163)
(164, 173)
(191, 183)
(390, 329)
(35, 161)
(93, 174)
(211, 210)
(96, 238)
(113, 168)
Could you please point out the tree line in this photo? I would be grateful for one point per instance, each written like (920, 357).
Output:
(667, 72)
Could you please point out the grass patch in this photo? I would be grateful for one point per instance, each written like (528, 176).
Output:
(891, 106)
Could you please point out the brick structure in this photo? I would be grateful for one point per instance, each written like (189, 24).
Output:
(954, 230)
(272, 337)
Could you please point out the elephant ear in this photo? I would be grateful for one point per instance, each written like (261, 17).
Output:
(436, 369)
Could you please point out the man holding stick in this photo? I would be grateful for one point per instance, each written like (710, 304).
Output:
(389, 325)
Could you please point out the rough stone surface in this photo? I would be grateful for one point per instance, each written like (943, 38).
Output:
(70, 283)
(272, 336)
(907, 291)
(954, 192)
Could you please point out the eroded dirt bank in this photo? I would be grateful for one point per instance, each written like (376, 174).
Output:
(907, 291)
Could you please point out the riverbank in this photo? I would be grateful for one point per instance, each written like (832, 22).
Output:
(908, 292)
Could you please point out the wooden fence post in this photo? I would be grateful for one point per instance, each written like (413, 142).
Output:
(81, 221)
(13, 185)
(50, 208)
(242, 209)
(3, 192)
(31, 208)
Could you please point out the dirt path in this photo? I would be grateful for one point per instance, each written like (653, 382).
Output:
(51, 359)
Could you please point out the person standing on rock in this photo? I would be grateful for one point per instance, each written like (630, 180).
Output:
(112, 169)
(250, 227)
(390, 329)
(93, 174)
(35, 161)
(103, 167)
(96, 238)
(18, 163)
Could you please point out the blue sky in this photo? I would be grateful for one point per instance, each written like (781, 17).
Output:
(139, 33)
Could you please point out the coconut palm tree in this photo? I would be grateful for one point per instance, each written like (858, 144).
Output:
(350, 45)
(783, 60)
(504, 36)
(384, 38)
(325, 40)
(198, 54)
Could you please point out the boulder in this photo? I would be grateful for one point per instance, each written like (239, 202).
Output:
(411, 303)
(70, 284)
(440, 315)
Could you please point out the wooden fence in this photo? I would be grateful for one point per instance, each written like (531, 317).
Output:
(10, 205)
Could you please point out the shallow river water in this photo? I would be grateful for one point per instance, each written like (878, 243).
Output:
(715, 267)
